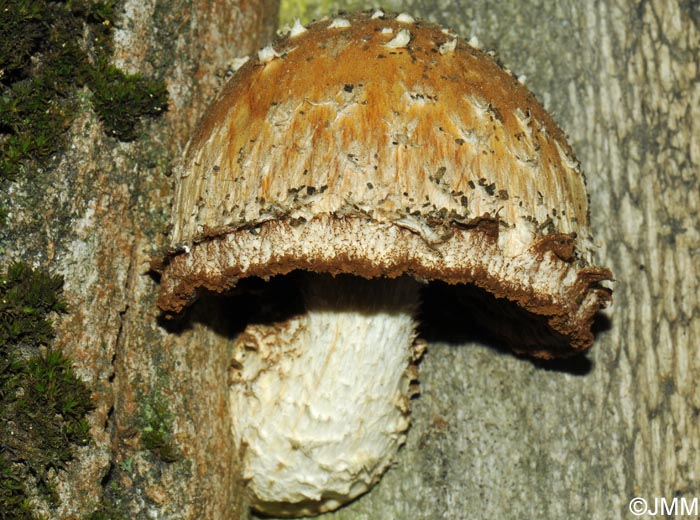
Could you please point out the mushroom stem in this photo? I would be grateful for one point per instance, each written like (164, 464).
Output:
(320, 401)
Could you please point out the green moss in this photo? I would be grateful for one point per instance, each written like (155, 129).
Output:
(45, 59)
(122, 99)
(13, 497)
(109, 512)
(27, 296)
(156, 425)
(102, 514)
(42, 403)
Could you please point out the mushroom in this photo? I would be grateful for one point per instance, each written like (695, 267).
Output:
(374, 153)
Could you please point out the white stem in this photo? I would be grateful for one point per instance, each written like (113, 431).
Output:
(320, 401)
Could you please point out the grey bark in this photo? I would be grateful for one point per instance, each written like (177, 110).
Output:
(494, 435)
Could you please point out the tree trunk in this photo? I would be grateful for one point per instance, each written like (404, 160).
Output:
(494, 435)
(160, 432)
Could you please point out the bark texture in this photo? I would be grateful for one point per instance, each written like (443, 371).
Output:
(493, 436)
(161, 428)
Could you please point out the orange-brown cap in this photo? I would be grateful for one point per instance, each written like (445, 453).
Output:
(379, 145)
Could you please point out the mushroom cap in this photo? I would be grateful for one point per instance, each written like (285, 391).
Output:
(382, 146)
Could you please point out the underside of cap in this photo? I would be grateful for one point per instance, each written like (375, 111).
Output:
(378, 145)
(544, 280)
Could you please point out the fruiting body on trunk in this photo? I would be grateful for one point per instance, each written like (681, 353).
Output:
(378, 146)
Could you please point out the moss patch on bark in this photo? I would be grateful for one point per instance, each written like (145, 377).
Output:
(48, 51)
(43, 405)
